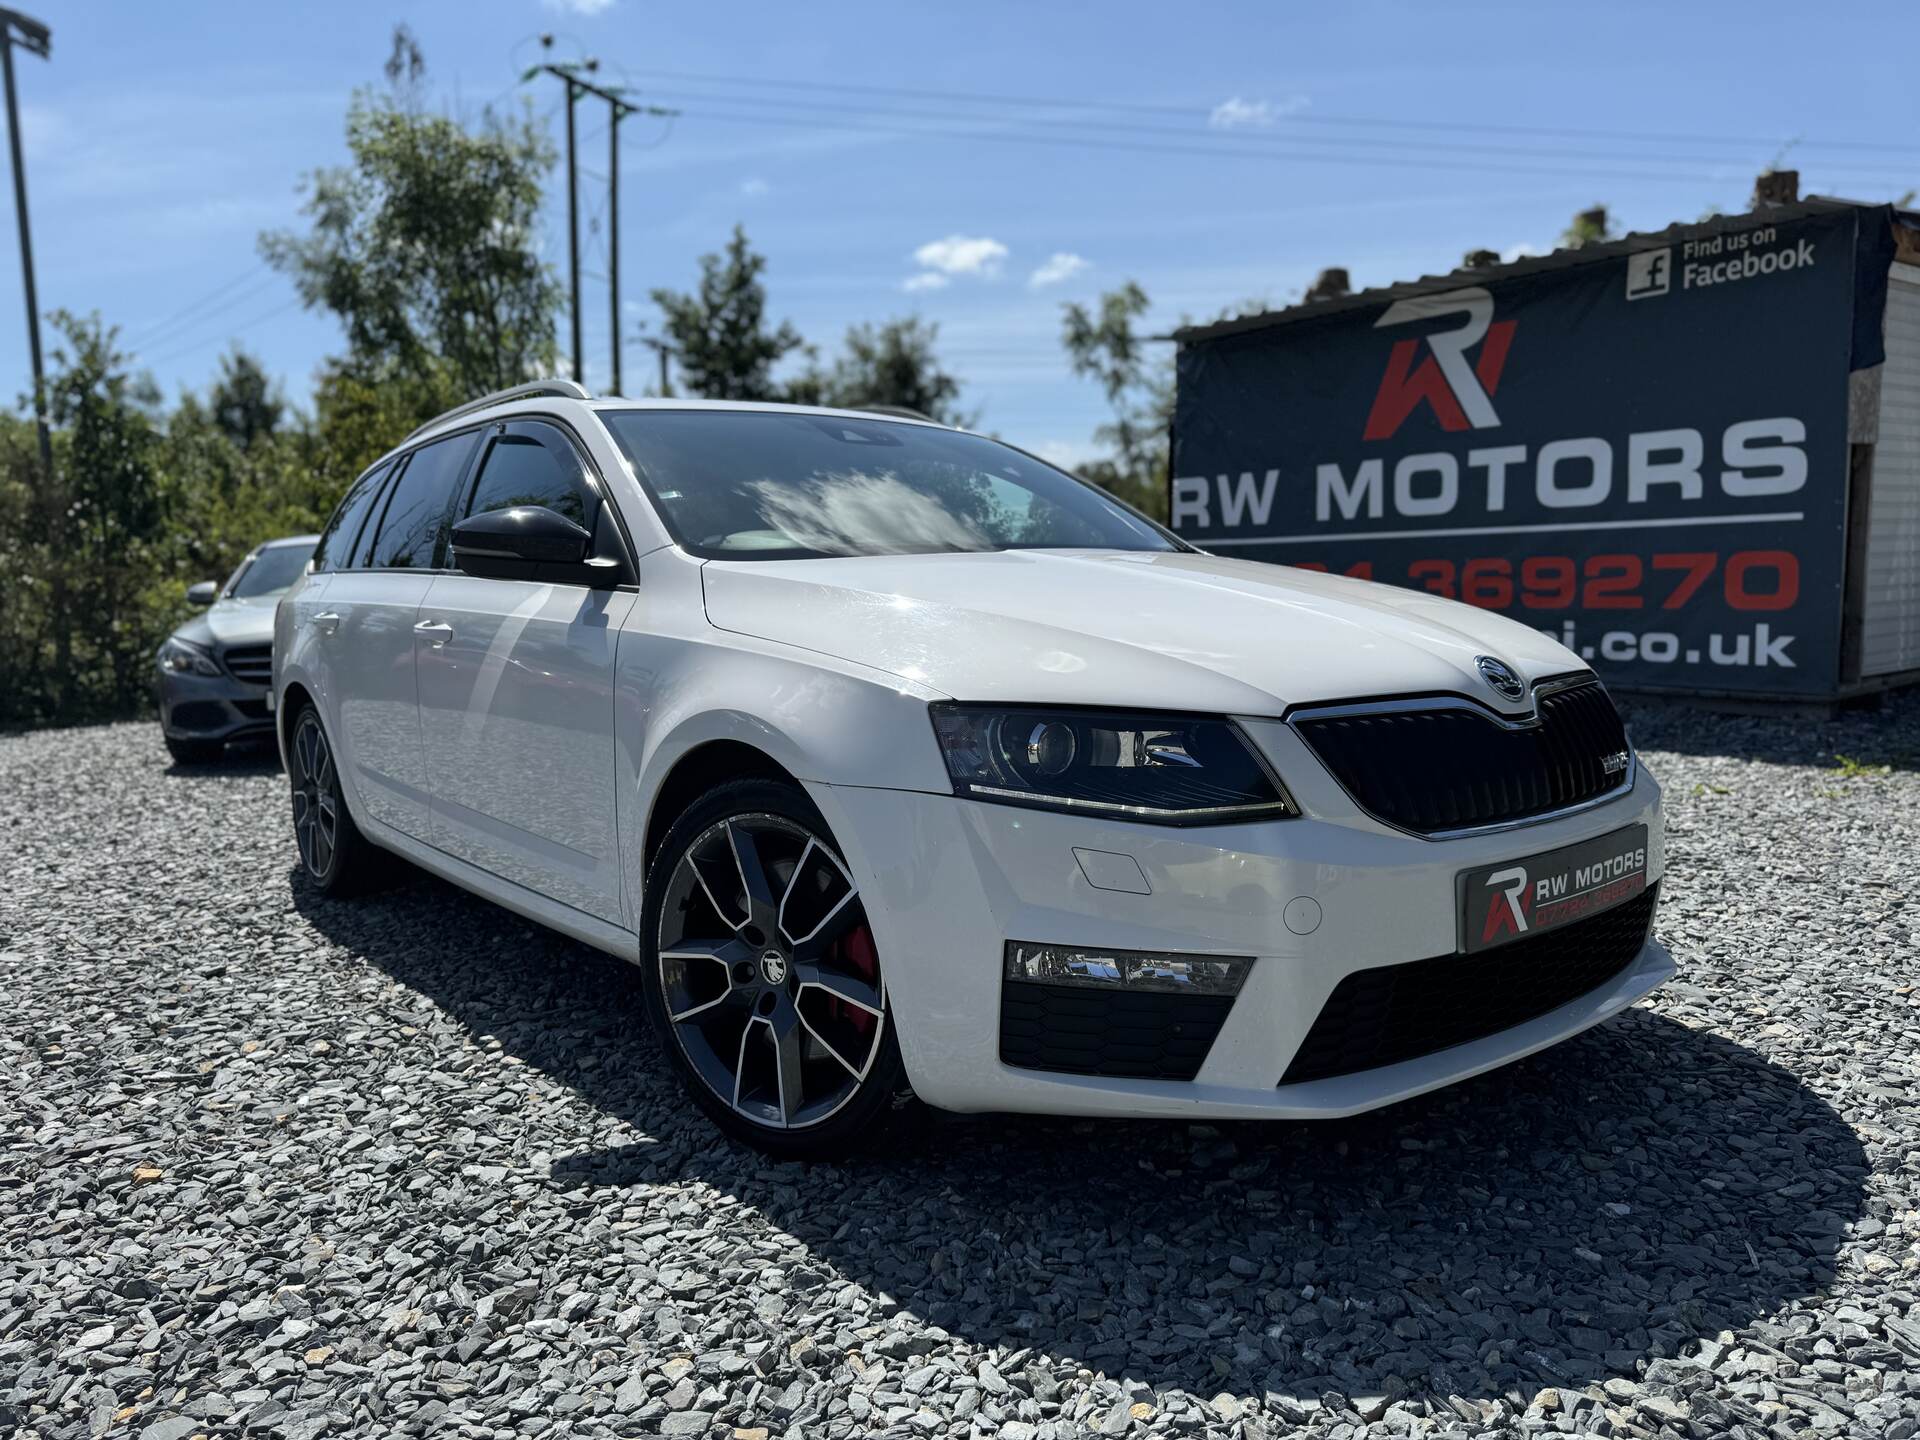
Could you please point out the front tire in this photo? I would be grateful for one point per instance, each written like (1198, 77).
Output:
(335, 856)
(761, 978)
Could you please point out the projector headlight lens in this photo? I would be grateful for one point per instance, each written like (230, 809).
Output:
(1166, 769)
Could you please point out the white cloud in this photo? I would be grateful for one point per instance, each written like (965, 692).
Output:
(962, 255)
(925, 280)
(1061, 265)
(753, 187)
(579, 7)
(1254, 114)
(1519, 252)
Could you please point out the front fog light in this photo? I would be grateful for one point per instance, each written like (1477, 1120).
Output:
(1126, 969)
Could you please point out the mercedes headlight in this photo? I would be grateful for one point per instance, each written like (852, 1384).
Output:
(1167, 769)
(183, 657)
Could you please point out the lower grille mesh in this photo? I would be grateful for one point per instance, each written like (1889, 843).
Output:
(1139, 1034)
(1398, 1012)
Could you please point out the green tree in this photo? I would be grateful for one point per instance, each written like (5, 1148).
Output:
(889, 364)
(720, 335)
(246, 403)
(1589, 227)
(424, 244)
(89, 551)
(1105, 345)
(229, 497)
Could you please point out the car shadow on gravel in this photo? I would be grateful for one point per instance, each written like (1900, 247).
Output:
(243, 758)
(1559, 1221)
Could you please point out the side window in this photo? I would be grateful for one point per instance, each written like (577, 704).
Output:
(335, 550)
(533, 464)
(413, 531)
(363, 542)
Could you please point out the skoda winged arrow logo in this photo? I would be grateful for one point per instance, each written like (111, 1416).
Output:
(1505, 683)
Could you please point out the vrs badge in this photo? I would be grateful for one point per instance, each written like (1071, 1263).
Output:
(1544, 892)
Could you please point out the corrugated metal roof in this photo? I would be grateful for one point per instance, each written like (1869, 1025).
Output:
(1530, 265)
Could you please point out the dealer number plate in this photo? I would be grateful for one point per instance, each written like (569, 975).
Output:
(1503, 903)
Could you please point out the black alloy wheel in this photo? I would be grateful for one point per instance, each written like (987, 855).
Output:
(763, 977)
(334, 854)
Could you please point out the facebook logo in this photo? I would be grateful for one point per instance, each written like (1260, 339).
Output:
(1649, 273)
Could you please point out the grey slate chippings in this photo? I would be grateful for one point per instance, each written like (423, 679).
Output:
(284, 1167)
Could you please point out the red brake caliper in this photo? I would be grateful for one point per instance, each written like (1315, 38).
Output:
(855, 950)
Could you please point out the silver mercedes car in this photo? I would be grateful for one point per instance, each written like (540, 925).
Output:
(212, 676)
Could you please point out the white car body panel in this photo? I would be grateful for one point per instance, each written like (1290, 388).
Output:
(375, 709)
(516, 724)
(1200, 633)
(1385, 897)
(522, 760)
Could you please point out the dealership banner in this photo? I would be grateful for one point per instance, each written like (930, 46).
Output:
(1644, 456)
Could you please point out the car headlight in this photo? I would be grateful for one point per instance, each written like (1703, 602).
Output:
(1167, 769)
(183, 657)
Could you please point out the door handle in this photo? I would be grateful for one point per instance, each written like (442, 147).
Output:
(327, 621)
(441, 633)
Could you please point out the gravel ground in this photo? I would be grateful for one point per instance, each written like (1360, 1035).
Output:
(275, 1165)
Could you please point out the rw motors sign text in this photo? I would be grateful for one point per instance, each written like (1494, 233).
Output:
(1645, 456)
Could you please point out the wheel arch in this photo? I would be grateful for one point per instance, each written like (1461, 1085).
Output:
(696, 771)
(293, 699)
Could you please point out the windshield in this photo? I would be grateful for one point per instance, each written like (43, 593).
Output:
(764, 485)
(269, 570)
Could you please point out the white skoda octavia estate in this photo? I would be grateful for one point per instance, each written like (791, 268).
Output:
(904, 764)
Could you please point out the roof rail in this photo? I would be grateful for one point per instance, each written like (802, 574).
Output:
(898, 412)
(565, 389)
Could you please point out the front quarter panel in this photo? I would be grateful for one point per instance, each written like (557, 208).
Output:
(682, 684)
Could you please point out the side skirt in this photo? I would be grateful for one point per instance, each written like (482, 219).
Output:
(530, 904)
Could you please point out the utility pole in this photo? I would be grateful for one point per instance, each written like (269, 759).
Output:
(618, 110)
(35, 39)
(663, 348)
(568, 76)
(618, 113)
(573, 237)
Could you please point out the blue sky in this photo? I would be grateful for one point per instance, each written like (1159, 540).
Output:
(1240, 147)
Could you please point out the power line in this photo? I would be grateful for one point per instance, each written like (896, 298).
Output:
(1302, 118)
(185, 320)
(224, 333)
(1225, 139)
(1269, 156)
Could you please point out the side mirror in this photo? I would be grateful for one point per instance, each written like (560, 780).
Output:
(203, 594)
(526, 542)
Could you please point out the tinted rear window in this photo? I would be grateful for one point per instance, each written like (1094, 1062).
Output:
(335, 551)
(413, 530)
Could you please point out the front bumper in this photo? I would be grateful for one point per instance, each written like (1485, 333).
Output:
(948, 881)
(210, 707)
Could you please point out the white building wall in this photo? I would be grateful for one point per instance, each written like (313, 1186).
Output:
(1890, 613)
